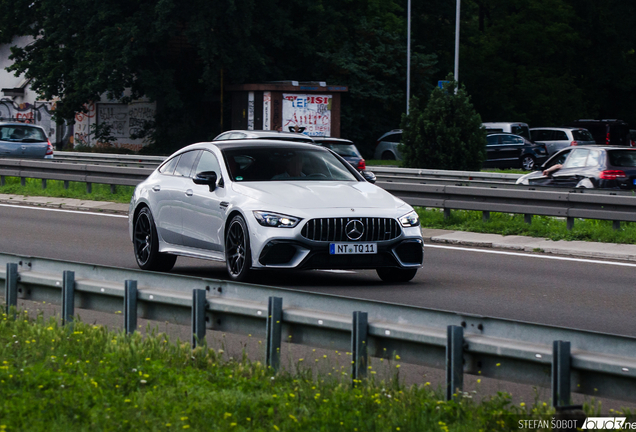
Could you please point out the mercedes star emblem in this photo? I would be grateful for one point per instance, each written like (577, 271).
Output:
(354, 229)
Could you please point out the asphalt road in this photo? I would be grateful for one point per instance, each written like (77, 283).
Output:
(531, 287)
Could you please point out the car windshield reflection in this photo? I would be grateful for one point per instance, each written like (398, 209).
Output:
(281, 164)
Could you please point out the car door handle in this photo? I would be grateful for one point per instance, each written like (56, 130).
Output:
(189, 192)
(156, 188)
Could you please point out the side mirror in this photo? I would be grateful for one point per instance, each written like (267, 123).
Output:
(368, 176)
(206, 178)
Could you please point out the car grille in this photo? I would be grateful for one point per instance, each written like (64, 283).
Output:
(334, 229)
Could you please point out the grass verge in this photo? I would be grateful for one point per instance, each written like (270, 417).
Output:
(541, 226)
(55, 188)
(86, 377)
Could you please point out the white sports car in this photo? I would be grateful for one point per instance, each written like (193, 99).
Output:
(264, 204)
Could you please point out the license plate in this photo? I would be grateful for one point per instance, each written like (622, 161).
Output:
(352, 248)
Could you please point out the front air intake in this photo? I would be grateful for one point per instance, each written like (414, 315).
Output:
(336, 229)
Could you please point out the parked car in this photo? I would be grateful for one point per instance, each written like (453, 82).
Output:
(349, 152)
(557, 138)
(263, 134)
(606, 131)
(22, 140)
(603, 167)
(513, 151)
(386, 148)
(515, 128)
(269, 204)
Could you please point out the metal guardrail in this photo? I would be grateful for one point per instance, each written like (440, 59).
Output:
(611, 205)
(565, 359)
(139, 161)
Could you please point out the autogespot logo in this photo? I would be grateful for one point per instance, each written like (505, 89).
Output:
(607, 423)
(354, 229)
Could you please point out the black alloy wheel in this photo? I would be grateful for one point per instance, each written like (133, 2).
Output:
(387, 155)
(237, 250)
(393, 275)
(146, 244)
(527, 162)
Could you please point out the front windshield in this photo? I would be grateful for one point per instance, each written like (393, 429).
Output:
(279, 164)
(21, 133)
(344, 150)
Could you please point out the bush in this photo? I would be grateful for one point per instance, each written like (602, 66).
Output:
(447, 134)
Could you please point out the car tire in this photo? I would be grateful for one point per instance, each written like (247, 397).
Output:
(146, 244)
(238, 256)
(387, 155)
(392, 274)
(527, 163)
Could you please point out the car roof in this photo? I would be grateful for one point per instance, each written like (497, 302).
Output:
(332, 140)
(269, 134)
(503, 123)
(260, 143)
(561, 128)
(20, 124)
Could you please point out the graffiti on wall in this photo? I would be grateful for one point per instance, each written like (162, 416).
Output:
(39, 113)
(125, 121)
(309, 113)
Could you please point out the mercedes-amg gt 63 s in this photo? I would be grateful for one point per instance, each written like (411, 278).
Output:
(266, 204)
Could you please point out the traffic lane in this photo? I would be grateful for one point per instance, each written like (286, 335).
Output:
(583, 294)
(577, 294)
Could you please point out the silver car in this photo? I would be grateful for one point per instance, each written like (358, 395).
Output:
(265, 204)
(556, 139)
(22, 140)
(386, 148)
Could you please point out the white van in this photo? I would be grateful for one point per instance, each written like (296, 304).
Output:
(516, 128)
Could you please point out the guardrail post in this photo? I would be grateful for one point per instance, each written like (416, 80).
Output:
(2, 181)
(359, 336)
(485, 216)
(22, 181)
(198, 316)
(447, 213)
(569, 223)
(43, 183)
(68, 296)
(89, 187)
(11, 287)
(113, 189)
(66, 183)
(454, 360)
(274, 331)
(616, 225)
(527, 218)
(560, 373)
(130, 306)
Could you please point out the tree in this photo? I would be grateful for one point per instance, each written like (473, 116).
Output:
(447, 134)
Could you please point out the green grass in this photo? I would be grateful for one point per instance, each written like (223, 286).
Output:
(541, 226)
(55, 188)
(55, 378)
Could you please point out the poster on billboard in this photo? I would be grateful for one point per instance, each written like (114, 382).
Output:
(308, 114)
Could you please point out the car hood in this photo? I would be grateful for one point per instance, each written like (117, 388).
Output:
(318, 194)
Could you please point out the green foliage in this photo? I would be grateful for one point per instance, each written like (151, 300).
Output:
(447, 134)
(55, 188)
(89, 378)
(541, 226)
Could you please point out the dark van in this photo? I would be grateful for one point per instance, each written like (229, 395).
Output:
(606, 131)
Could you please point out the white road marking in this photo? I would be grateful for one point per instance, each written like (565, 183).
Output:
(85, 212)
(527, 255)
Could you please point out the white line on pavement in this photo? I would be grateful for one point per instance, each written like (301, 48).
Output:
(585, 260)
(64, 211)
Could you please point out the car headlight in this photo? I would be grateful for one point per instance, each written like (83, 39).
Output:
(270, 219)
(410, 219)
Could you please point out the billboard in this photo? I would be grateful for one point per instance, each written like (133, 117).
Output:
(308, 114)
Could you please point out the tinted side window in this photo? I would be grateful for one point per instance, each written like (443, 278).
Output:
(184, 167)
(582, 135)
(492, 140)
(168, 167)
(397, 137)
(507, 139)
(560, 136)
(541, 135)
(594, 158)
(524, 131)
